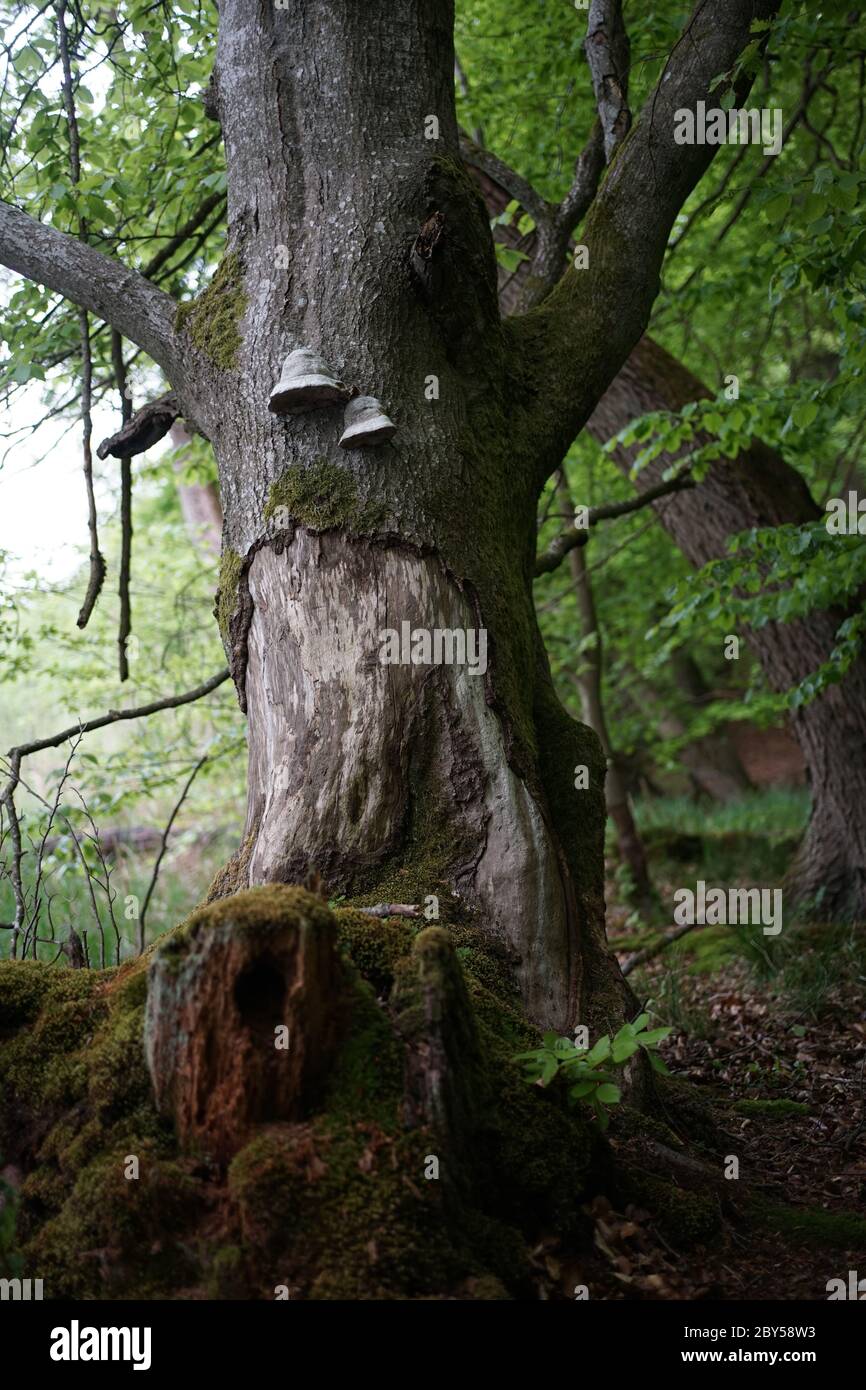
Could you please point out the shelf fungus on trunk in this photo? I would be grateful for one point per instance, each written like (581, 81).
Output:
(306, 383)
(244, 1016)
(365, 424)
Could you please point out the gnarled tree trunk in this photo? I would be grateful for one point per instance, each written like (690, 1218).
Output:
(353, 762)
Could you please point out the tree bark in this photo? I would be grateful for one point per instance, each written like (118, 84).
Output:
(758, 489)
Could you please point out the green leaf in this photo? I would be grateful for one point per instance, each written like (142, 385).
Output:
(549, 1070)
(778, 207)
(804, 413)
(600, 1051)
(601, 1115)
(583, 1088)
(608, 1094)
(624, 1047)
(654, 1036)
(658, 1064)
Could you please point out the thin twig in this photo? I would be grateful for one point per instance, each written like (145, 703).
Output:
(97, 563)
(162, 848)
(640, 957)
(125, 623)
(115, 715)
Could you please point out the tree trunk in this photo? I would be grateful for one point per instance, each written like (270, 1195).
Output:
(712, 760)
(357, 768)
(758, 489)
(588, 682)
(199, 502)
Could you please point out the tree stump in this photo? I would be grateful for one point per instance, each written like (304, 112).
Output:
(243, 1016)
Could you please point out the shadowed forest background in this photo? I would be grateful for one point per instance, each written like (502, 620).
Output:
(756, 360)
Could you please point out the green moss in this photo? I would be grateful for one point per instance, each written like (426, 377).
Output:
(212, 318)
(253, 909)
(375, 944)
(368, 1075)
(42, 1062)
(269, 1179)
(27, 985)
(227, 1276)
(337, 1206)
(771, 1109)
(115, 1231)
(323, 496)
(225, 606)
(433, 843)
(685, 1218)
(841, 1230)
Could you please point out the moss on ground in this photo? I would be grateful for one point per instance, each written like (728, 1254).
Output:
(812, 1226)
(339, 1206)
(343, 1204)
(771, 1109)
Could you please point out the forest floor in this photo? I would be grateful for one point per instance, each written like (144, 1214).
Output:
(774, 1039)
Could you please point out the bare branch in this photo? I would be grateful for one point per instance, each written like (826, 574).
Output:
(162, 848)
(640, 957)
(569, 540)
(519, 187)
(97, 563)
(115, 716)
(125, 622)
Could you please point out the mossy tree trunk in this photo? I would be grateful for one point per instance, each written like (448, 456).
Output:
(395, 781)
(354, 229)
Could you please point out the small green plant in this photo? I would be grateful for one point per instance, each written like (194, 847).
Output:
(589, 1072)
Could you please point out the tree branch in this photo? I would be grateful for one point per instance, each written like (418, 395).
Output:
(125, 623)
(100, 284)
(607, 52)
(162, 848)
(520, 188)
(115, 716)
(556, 552)
(574, 344)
